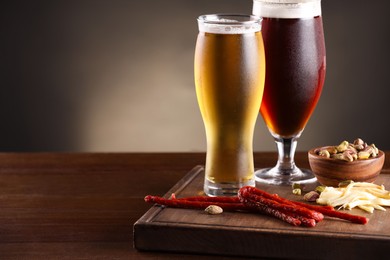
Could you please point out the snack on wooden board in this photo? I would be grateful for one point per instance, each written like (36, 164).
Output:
(251, 199)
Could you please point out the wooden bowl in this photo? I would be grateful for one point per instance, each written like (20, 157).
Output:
(330, 172)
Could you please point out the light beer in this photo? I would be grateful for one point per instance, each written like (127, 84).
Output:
(229, 78)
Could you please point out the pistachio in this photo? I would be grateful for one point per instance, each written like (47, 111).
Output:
(349, 151)
(372, 150)
(342, 146)
(213, 210)
(317, 150)
(296, 185)
(325, 150)
(375, 148)
(340, 156)
(320, 189)
(363, 155)
(331, 149)
(368, 149)
(324, 153)
(359, 144)
(297, 191)
(348, 156)
(311, 196)
(358, 141)
(359, 147)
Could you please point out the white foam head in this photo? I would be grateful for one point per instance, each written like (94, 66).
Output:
(287, 8)
(229, 23)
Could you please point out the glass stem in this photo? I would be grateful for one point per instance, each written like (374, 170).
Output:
(286, 152)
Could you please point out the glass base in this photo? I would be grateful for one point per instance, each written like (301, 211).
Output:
(225, 189)
(275, 177)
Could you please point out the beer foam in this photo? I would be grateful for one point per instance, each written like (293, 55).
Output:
(287, 8)
(229, 24)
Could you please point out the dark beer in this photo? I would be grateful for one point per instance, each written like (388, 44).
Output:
(295, 55)
(295, 72)
(229, 78)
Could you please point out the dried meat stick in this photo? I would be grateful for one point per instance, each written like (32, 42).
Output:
(264, 194)
(331, 212)
(283, 200)
(306, 222)
(248, 193)
(278, 198)
(224, 199)
(177, 203)
(322, 209)
(337, 214)
(257, 206)
(313, 207)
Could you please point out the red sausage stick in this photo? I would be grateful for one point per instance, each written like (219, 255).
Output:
(306, 222)
(325, 210)
(224, 199)
(252, 193)
(261, 201)
(313, 207)
(257, 206)
(182, 203)
(331, 212)
(337, 214)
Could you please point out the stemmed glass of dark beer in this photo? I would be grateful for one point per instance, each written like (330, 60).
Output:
(229, 78)
(295, 73)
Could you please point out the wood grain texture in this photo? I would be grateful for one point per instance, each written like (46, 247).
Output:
(84, 205)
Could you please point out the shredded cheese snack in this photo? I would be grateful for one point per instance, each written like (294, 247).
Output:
(364, 195)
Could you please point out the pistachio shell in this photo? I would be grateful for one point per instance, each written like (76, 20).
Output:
(213, 210)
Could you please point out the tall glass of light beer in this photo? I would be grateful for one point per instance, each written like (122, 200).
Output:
(229, 78)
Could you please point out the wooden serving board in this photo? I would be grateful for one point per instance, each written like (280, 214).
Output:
(256, 235)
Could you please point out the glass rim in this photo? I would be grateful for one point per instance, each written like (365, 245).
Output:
(213, 19)
(287, 8)
(287, 1)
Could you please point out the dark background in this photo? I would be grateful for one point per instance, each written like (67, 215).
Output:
(118, 75)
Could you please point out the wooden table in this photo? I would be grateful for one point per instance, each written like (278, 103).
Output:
(84, 205)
